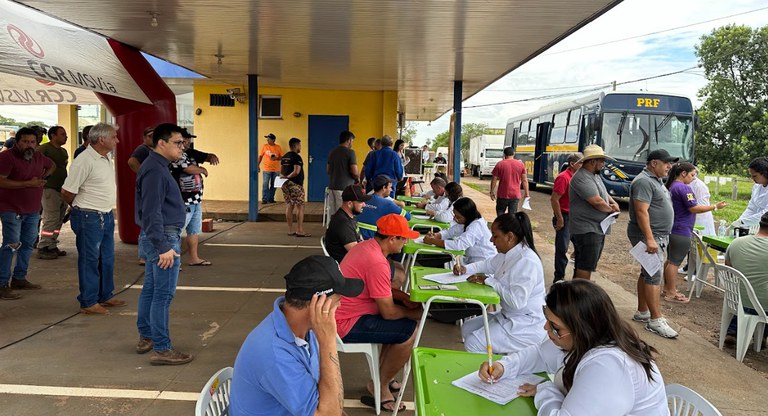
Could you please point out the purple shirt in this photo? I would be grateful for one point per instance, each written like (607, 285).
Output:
(682, 200)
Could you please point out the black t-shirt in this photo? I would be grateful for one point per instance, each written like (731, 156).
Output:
(287, 163)
(342, 230)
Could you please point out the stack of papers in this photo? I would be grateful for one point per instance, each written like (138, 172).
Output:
(279, 182)
(608, 221)
(420, 216)
(502, 391)
(650, 262)
(527, 203)
(447, 278)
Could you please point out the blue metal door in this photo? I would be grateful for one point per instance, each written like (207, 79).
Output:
(323, 137)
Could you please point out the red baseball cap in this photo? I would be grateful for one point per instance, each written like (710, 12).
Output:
(394, 225)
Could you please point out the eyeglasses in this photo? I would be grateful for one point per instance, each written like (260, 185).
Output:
(178, 143)
(555, 331)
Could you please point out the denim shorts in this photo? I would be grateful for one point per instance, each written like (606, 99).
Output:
(193, 223)
(376, 330)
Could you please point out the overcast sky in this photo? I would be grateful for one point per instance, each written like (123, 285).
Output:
(572, 65)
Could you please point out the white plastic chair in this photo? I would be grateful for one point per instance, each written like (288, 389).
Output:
(326, 204)
(214, 398)
(686, 402)
(702, 258)
(322, 245)
(749, 326)
(371, 352)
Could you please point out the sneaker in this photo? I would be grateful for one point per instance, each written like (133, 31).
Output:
(7, 294)
(682, 270)
(169, 357)
(660, 327)
(23, 284)
(144, 346)
(47, 254)
(642, 316)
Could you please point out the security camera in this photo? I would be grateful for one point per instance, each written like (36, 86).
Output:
(233, 91)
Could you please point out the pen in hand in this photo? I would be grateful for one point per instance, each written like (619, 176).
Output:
(490, 364)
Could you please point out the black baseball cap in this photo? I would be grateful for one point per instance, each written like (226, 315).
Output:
(322, 275)
(381, 181)
(271, 136)
(354, 193)
(187, 135)
(663, 155)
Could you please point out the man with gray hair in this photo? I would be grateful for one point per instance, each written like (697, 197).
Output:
(90, 190)
(385, 161)
(561, 208)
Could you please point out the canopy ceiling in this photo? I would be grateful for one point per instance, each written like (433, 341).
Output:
(417, 48)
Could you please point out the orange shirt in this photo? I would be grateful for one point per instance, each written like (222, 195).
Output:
(270, 165)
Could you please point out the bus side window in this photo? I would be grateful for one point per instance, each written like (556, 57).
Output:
(573, 126)
(560, 121)
(532, 131)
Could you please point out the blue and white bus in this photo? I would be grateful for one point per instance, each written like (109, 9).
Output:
(627, 125)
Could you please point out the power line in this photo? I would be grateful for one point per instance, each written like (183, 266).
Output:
(655, 33)
(599, 87)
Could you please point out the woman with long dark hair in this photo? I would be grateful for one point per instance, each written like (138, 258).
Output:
(601, 365)
(518, 278)
(470, 233)
(686, 207)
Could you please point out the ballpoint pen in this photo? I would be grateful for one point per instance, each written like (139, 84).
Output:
(490, 363)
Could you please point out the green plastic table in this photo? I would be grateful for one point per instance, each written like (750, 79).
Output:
(413, 199)
(467, 290)
(435, 369)
(412, 249)
(413, 210)
(473, 293)
(431, 224)
(718, 243)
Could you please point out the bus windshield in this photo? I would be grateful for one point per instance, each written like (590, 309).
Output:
(630, 137)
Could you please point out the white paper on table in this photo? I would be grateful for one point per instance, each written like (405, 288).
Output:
(650, 262)
(608, 221)
(279, 182)
(501, 391)
(527, 203)
(420, 216)
(447, 278)
(420, 240)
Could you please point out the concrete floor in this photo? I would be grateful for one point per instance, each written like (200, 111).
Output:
(50, 355)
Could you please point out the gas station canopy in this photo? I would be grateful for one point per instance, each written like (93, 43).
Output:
(417, 48)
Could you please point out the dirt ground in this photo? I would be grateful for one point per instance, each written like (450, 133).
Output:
(701, 315)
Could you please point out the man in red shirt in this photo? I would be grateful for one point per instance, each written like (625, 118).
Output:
(560, 207)
(23, 173)
(373, 316)
(509, 173)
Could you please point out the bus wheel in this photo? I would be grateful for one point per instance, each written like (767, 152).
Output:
(532, 185)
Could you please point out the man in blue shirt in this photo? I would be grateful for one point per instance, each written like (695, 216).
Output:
(378, 206)
(288, 365)
(385, 162)
(160, 213)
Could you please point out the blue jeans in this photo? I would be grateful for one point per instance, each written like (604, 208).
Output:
(158, 291)
(562, 239)
(268, 183)
(95, 241)
(19, 235)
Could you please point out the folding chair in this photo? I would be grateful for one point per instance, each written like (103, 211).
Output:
(686, 402)
(702, 258)
(215, 396)
(749, 326)
(326, 204)
(322, 245)
(372, 352)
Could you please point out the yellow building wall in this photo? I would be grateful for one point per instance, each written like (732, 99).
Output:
(224, 130)
(67, 115)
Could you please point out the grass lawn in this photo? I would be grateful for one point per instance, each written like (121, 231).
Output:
(734, 209)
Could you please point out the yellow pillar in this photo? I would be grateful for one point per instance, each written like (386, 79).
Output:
(68, 120)
(389, 113)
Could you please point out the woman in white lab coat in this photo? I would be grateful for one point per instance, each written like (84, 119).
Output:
(601, 365)
(518, 278)
(453, 191)
(470, 233)
(758, 202)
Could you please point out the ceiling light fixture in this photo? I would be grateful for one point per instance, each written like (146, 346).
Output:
(154, 15)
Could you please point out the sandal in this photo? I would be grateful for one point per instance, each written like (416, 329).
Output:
(291, 234)
(371, 402)
(303, 235)
(677, 297)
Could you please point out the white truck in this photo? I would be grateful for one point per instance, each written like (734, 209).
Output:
(484, 152)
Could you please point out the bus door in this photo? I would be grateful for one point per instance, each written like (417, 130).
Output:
(543, 131)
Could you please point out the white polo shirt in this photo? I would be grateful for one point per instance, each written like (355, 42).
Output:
(92, 179)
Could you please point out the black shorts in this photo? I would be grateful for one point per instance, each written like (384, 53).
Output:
(376, 330)
(587, 249)
(678, 248)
